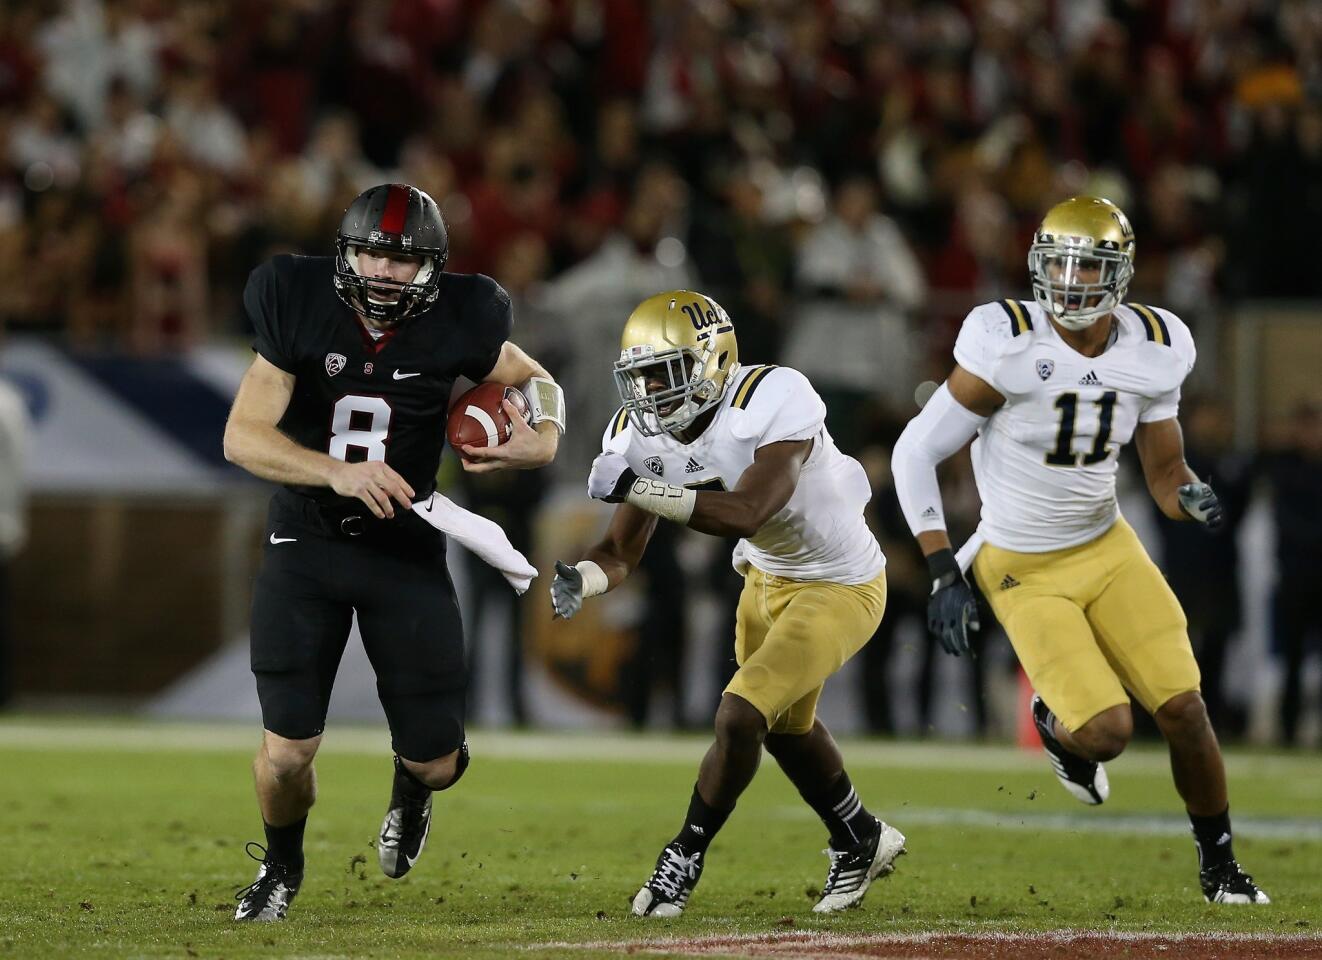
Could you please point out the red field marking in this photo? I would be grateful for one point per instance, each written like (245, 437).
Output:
(1061, 945)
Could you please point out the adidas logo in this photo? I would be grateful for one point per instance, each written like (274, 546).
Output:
(1089, 379)
(693, 466)
(697, 829)
(1009, 582)
(929, 513)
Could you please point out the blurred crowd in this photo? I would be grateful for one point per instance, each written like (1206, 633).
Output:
(847, 177)
(875, 152)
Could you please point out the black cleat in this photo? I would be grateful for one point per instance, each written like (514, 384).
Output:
(1228, 883)
(853, 870)
(1084, 779)
(403, 831)
(268, 897)
(667, 891)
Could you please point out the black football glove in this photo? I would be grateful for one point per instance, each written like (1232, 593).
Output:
(566, 590)
(951, 610)
(1200, 502)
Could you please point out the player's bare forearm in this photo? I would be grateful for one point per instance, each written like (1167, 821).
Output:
(265, 452)
(761, 493)
(1165, 491)
(619, 552)
(514, 366)
(528, 448)
(732, 513)
(930, 541)
(1160, 446)
(549, 434)
(254, 442)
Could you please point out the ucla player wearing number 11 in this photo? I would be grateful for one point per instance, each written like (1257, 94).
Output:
(345, 405)
(1052, 389)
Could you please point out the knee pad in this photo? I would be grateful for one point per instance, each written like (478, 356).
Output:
(460, 765)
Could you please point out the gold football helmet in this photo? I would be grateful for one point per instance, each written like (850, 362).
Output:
(676, 355)
(1081, 260)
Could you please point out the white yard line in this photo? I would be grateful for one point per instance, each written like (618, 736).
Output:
(1172, 825)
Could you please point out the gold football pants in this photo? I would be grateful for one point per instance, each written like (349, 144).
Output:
(1090, 622)
(790, 635)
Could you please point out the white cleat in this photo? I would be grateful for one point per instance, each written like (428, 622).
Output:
(646, 904)
(1084, 779)
(267, 899)
(666, 892)
(852, 871)
(1228, 883)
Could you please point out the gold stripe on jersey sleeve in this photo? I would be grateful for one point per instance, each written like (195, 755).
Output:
(744, 395)
(1020, 322)
(619, 422)
(1157, 330)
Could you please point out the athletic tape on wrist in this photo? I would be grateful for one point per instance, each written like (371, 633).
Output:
(546, 402)
(594, 578)
(664, 499)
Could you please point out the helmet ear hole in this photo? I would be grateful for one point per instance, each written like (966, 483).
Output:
(725, 355)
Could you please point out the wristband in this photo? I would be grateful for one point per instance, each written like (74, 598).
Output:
(594, 578)
(943, 562)
(664, 499)
(546, 401)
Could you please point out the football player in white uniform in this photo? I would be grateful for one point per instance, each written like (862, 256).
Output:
(1052, 390)
(743, 451)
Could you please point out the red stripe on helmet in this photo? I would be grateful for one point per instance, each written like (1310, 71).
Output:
(397, 208)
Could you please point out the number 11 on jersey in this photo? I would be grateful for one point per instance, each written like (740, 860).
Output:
(1068, 405)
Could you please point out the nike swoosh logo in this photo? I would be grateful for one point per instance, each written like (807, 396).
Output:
(275, 539)
(404, 376)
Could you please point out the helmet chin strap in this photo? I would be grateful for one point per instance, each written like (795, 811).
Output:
(1076, 322)
(1081, 320)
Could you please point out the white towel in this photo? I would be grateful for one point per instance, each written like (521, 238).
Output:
(480, 535)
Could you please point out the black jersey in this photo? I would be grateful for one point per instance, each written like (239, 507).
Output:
(358, 398)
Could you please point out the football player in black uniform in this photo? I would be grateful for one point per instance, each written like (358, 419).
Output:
(345, 404)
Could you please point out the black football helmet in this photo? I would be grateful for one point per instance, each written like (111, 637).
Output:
(401, 219)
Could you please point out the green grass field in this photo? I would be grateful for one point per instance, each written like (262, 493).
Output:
(126, 839)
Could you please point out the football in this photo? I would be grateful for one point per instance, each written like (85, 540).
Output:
(477, 418)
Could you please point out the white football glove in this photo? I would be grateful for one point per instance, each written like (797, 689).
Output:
(611, 478)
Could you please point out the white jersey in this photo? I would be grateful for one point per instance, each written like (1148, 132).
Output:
(820, 534)
(1045, 462)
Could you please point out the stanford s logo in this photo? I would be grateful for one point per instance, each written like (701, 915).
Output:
(655, 465)
(335, 363)
(1045, 368)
